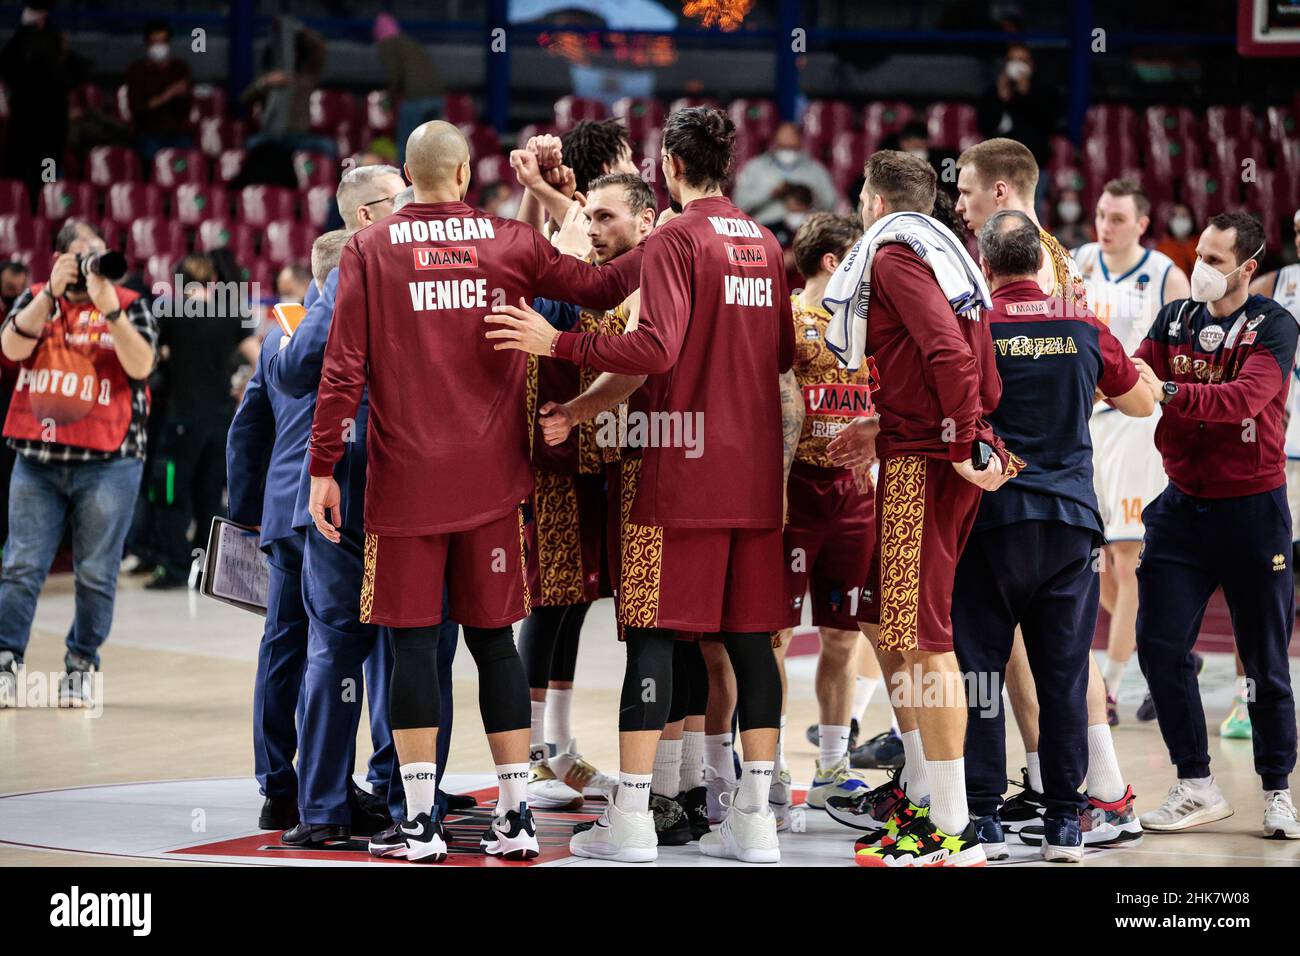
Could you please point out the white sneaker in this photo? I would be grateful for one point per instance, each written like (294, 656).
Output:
(717, 795)
(1187, 806)
(627, 837)
(836, 781)
(778, 799)
(9, 669)
(578, 774)
(1280, 821)
(745, 835)
(545, 792)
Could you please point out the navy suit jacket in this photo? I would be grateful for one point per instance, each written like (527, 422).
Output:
(295, 370)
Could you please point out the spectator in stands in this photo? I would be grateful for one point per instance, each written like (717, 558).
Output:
(498, 199)
(79, 462)
(1068, 224)
(199, 349)
(294, 61)
(291, 283)
(414, 87)
(1179, 242)
(159, 91)
(1018, 108)
(13, 280)
(38, 72)
(761, 184)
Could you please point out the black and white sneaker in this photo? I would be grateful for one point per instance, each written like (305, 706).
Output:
(79, 682)
(421, 840)
(672, 827)
(695, 803)
(1024, 809)
(512, 836)
(10, 668)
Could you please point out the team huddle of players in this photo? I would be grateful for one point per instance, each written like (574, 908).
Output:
(601, 398)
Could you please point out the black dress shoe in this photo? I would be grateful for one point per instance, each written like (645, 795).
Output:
(315, 835)
(369, 813)
(278, 813)
(459, 802)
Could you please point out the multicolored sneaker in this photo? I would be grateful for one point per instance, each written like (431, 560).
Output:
(582, 776)
(866, 809)
(989, 831)
(836, 781)
(923, 844)
(1112, 710)
(1024, 808)
(1102, 824)
(546, 791)
(893, 827)
(1236, 726)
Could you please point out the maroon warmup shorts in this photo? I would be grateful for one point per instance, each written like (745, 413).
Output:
(924, 514)
(829, 539)
(696, 579)
(483, 569)
(566, 560)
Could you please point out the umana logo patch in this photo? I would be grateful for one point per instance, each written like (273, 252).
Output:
(445, 257)
(748, 256)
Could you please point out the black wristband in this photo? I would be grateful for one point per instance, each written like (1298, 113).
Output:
(111, 317)
(18, 329)
(54, 300)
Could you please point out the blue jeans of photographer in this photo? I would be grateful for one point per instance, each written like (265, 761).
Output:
(95, 499)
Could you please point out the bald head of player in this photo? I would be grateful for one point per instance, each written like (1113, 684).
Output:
(894, 181)
(437, 162)
(993, 175)
(1010, 248)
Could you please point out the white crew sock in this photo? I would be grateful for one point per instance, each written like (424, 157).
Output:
(1035, 770)
(948, 807)
(692, 759)
(864, 688)
(1105, 781)
(512, 786)
(668, 768)
(1243, 688)
(633, 792)
(755, 784)
(914, 780)
(420, 781)
(1112, 674)
(717, 755)
(833, 741)
(537, 731)
(559, 703)
(1200, 784)
(780, 746)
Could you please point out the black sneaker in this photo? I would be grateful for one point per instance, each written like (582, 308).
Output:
(695, 802)
(989, 831)
(512, 836)
(881, 752)
(1024, 808)
(672, 827)
(1146, 711)
(815, 738)
(422, 840)
(315, 836)
(278, 813)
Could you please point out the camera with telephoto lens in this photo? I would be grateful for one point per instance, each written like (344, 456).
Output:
(110, 264)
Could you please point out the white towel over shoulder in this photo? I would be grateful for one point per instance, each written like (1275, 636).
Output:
(848, 294)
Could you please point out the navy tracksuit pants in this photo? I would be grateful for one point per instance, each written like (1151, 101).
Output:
(1041, 576)
(281, 658)
(1193, 545)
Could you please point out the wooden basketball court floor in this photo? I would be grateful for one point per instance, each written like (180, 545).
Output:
(163, 775)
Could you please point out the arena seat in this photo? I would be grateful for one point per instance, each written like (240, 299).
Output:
(154, 236)
(1169, 159)
(848, 153)
(216, 134)
(757, 117)
(1175, 122)
(329, 108)
(952, 125)
(639, 114)
(1224, 122)
(1111, 119)
(822, 121)
(38, 262)
(258, 205)
(13, 197)
(494, 168)
(287, 241)
(122, 104)
(1062, 155)
(1282, 124)
(318, 203)
(158, 269)
(106, 165)
(171, 167)
(535, 129)
(192, 203)
(65, 198)
(1205, 194)
(459, 108)
(483, 139)
(380, 119)
(208, 102)
(572, 110)
(24, 232)
(127, 202)
(314, 169)
(884, 118)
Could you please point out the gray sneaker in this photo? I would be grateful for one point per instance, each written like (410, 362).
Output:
(9, 669)
(1187, 806)
(1280, 821)
(77, 683)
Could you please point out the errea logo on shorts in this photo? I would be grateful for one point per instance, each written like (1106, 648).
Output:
(445, 257)
(76, 909)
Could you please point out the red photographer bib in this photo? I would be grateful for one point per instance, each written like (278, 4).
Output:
(72, 390)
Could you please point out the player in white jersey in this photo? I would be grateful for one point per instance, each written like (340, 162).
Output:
(1127, 284)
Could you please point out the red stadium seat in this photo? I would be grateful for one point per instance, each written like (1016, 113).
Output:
(748, 145)
(329, 108)
(106, 165)
(192, 203)
(572, 110)
(822, 121)
(13, 197)
(159, 270)
(639, 114)
(228, 165)
(258, 205)
(493, 169)
(952, 125)
(1168, 158)
(122, 104)
(347, 139)
(217, 134)
(1289, 166)
(38, 262)
(1063, 153)
(534, 129)
(848, 153)
(1282, 124)
(287, 241)
(884, 118)
(1264, 200)
(379, 113)
(1203, 192)
(315, 169)
(482, 139)
(213, 233)
(239, 237)
(127, 202)
(1111, 120)
(459, 108)
(63, 198)
(1068, 177)
(24, 232)
(171, 167)
(155, 236)
(757, 118)
(1105, 157)
(208, 102)
(1229, 122)
(320, 200)
(1174, 122)
(113, 233)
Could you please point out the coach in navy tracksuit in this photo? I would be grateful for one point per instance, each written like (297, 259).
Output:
(1031, 558)
(1220, 364)
(263, 463)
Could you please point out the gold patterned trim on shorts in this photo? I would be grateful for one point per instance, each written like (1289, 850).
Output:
(369, 561)
(559, 543)
(901, 522)
(640, 558)
(530, 400)
(1015, 465)
(523, 562)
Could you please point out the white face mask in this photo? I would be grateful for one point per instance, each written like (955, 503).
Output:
(1018, 69)
(795, 219)
(1180, 227)
(159, 52)
(1211, 285)
(786, 157)
(1069, 211)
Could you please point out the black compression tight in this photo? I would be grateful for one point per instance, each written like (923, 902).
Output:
(413, 698)
(648, 680)
(758, 680)
(548, 643)
(690, 681)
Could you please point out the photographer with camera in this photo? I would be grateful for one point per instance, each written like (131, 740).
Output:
(77, 422)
